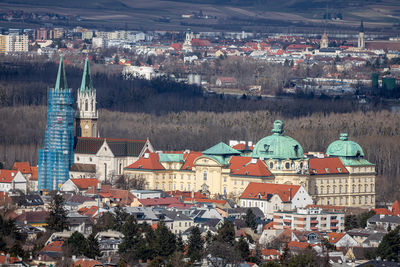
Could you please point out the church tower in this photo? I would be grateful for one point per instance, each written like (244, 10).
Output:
(86, 115)
(361, 41)
(324, 41)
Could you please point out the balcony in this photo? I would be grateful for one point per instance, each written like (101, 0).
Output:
(313, 221)
(334, 228)
(334, 221)
(287, 220)
(314, 228)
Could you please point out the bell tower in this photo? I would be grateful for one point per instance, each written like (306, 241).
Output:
(86, 115)
(361, 40)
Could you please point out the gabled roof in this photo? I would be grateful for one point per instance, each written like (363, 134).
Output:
(299, 245)
(35, 171)
(319, 166)
(243, 147)
(221, 149)
(147, 163)
(262, 190)
(257, 168)
(6, 176)
(32, 217)
(119, 147)
(396, 208)
(267, 252)
(85, 183)
(23, 167)
(333, 237)
(11, 260)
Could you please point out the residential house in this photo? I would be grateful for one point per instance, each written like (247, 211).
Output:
(270, 254)
(33, 218)
(80, 223)
(12, 180)
(29, 172)
(373, 240)
(312, 237)
(141, 194)
(28, 202)
(341, 240)
(180, 222)
(79, 185)
(383, 222)
(86, 263)
(155, 202)
(81, 170)
(274, 197)
(109, 242)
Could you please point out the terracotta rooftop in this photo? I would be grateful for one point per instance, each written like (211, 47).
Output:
(265, 190)
(335, 237)
(55, 246)
(85, 183)
(6, 176)
(147, 163)
(319, 166)
(87, 263)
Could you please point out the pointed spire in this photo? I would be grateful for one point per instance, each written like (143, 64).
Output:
(86, 85)
(61, 82)
(362, 26)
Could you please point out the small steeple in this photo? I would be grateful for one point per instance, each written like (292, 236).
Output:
(362, 27)
(61, 82)
(278, 127)
(86, 85)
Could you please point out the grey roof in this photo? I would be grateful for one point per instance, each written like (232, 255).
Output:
(375, 237)
(385, 219)
(79, 199)
(119, 147)
(28, 200)
(243, 211)
(176, 215)
(80, 167)
(377, 263)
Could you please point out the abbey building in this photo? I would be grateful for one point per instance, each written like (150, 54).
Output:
(341, 176)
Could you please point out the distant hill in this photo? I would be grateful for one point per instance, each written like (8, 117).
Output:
(222, 15)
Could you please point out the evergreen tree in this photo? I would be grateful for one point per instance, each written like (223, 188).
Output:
(226, 233)
(209, 238)
(165, 240)
(243, 248)
(76, 244)
(250, 219)
(195, 245)
(57, 219)
(120, 216)
(129, 229)
(390, 245)
(92, 247)
(180, 246)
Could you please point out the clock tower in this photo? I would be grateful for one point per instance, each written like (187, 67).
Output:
(86, 115)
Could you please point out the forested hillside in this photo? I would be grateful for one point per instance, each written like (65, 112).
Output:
(378, 133)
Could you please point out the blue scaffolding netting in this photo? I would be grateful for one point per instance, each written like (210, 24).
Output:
(57, 156)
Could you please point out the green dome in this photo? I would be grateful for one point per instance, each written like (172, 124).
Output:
(344, 148)
(278, 145)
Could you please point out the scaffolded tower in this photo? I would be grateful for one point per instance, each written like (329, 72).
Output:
(58, 155)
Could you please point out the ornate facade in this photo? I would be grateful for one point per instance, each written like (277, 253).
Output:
(341, 176)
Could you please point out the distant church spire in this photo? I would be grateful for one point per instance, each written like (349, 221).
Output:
(86, 84)
(61, 82)
(361, 40)
(86, 115)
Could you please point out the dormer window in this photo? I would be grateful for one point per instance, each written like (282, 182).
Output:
(326, 170)
(339, 169)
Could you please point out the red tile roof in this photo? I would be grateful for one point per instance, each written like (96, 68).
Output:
(242, 147)
(205, 200)
(320, 166)
(166, 201)
(150, 163)
(85, 183)
(257, 168)
(396, 208)
(262, 190)
(6, 176)
(298, 245)
(382, 211)
(269, 225)
(227, 79)
(55, 246)
(87, 263)
(11, 260)
(238, 162)
(23, 167)
(35, 171)
(189, 159)
(267, 252)
(333, 238)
